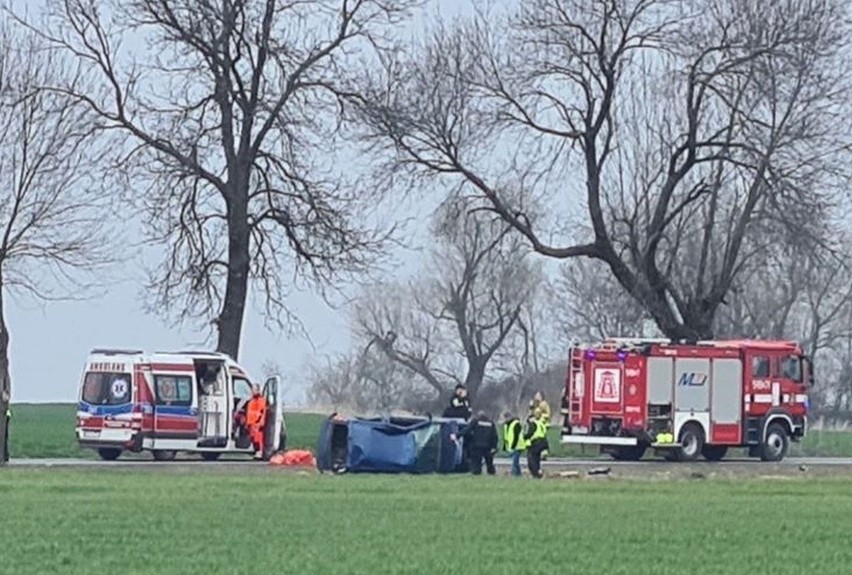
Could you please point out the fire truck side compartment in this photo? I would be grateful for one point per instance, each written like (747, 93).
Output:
(660, 377)
(726, 402)
(692, 393)
(660, 372)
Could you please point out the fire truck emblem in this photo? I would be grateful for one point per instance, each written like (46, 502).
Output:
(607, 386)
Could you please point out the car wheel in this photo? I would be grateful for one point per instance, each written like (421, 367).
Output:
(109, 453)
(714, 452)
(164, 455)
(632, 453)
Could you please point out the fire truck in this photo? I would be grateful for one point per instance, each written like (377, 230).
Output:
(686, 400)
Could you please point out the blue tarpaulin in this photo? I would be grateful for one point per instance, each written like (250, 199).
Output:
(390, 445)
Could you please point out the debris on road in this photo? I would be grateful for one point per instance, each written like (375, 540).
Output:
(568, 474)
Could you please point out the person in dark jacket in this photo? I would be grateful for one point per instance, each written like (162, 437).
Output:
(481, 436)
(536, 437)
(459, 407)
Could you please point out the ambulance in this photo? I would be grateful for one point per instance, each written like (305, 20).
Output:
(170, 402)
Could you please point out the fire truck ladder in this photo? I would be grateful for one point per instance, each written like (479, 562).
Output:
(575, 401)
(627, 342)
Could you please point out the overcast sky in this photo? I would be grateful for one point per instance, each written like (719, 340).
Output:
(49, 341)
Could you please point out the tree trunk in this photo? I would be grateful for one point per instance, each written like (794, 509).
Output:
(697, 322)
(5, 379)
(474, 378)
(230, 324)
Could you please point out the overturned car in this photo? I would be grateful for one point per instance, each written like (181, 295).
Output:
(406, 444)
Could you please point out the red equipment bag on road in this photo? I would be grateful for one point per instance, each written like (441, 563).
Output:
(294, 458)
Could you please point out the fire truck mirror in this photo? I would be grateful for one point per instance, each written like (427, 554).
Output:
(809, 370)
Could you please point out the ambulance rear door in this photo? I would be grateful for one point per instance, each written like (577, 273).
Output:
(104, 411)
(275, 434)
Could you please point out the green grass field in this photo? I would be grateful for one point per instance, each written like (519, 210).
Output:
(75, 521)
(47, 431)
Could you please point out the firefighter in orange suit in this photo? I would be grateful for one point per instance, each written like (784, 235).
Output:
(256, 420)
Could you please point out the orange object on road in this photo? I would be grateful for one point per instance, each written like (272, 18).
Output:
(294, 458)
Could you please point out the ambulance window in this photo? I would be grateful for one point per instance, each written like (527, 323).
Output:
(242, 388)
(760, 367)
(106, 388)
(173, 389)
(791, 368)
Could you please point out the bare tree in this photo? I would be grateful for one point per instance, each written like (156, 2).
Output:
(686, 129)
(234, 109)
(593, 305)
(51, 210)
(367, 381)
(448, 325)
(336, 384)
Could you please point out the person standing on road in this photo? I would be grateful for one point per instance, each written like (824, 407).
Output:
(482, 435)
(539, 407)
(513, 440)
(256, 420)
(459, 407)
(536, 437)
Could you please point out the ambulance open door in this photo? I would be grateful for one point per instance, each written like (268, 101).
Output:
(275, 434)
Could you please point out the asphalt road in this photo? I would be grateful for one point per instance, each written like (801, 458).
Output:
(552, 462)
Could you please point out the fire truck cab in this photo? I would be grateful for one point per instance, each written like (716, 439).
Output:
(686, 400)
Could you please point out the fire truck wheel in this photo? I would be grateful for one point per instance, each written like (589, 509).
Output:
(632, 453)
(210, 455)
(109, 453)
(164, 454)
(774, 447)
(691, 442)
(714, 452)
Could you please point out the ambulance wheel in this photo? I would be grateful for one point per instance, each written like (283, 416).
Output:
(109, 453)
(714, 452)
(775, 446)
(632, 453)
(164, 454)
(210, 455)
(691, 443)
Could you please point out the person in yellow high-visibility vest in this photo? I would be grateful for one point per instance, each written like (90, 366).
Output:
(536, 437)
(514, 442)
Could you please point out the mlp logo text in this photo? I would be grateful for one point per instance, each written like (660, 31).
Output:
(692, 379)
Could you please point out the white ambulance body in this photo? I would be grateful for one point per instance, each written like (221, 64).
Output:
(168, 402)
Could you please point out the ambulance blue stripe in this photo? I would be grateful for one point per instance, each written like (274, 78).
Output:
(105, 409)
(175, 410)
(101, 410)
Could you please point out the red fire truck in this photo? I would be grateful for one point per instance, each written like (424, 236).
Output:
(687, 399)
